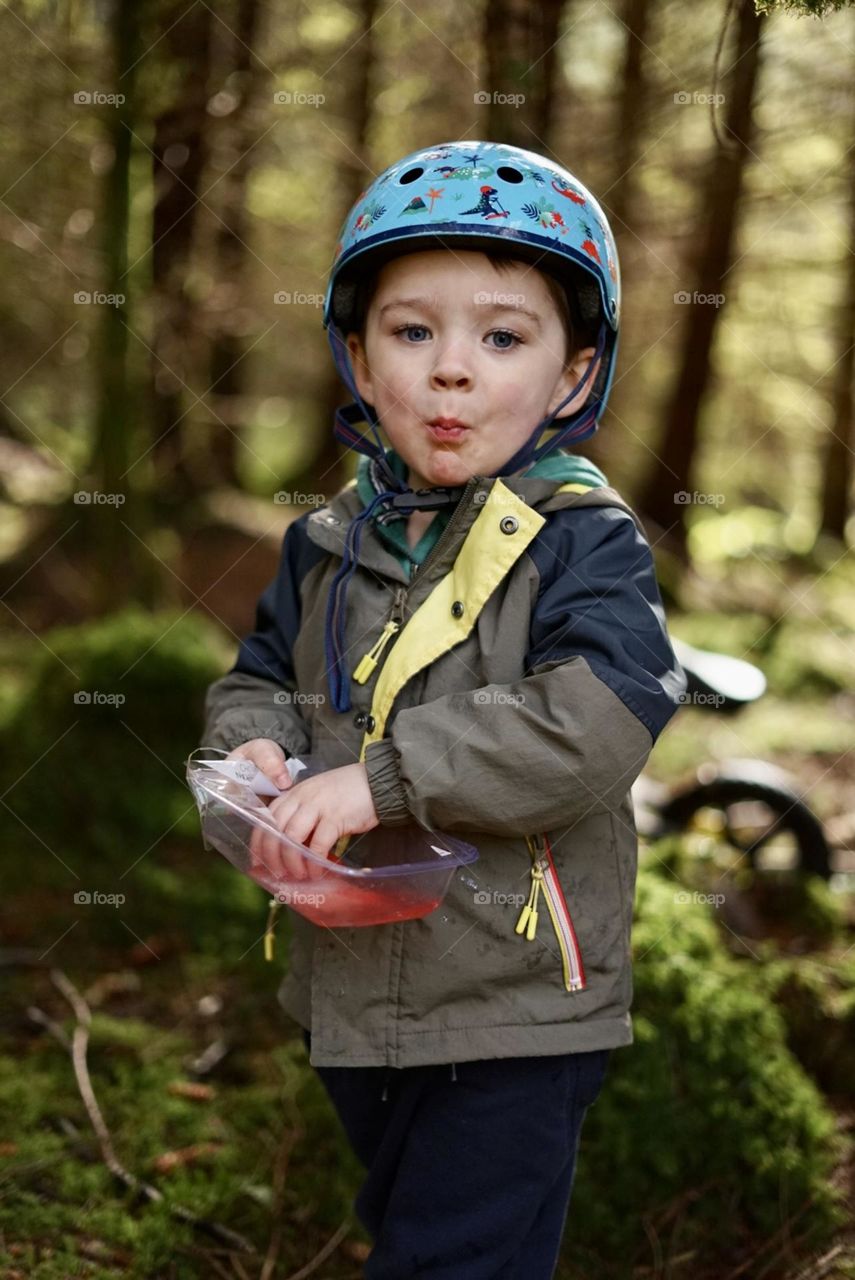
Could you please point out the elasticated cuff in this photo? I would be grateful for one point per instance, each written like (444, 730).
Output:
(233, 729)
(384, 779)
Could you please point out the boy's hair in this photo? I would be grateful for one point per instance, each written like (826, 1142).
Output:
(578, 332)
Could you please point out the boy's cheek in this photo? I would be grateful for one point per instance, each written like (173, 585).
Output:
(512, 397)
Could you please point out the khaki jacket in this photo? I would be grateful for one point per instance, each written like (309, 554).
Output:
(510, 693)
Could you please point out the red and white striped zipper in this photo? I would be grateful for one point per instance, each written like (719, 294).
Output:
(545, 877)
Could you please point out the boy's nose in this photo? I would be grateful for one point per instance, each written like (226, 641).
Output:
(449, 373)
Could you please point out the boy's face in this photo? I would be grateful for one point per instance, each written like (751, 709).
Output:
(444, 338)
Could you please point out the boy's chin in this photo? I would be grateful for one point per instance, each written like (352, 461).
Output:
(439, 472)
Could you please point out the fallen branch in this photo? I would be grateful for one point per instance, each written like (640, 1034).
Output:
(78, 1047)
(280, 1169)
(821, 1266)
(784, 1233)
(328, 1248)
(41, 1019)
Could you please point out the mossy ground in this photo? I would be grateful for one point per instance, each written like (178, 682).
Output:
(718, 1146)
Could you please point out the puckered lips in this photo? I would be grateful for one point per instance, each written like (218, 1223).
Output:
(447, 429)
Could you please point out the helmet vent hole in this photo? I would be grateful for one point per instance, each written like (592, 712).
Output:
(410, 176)
(507, 174)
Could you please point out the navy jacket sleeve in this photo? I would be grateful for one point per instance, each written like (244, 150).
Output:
(599, 600)
(601, 681)
(255, 698)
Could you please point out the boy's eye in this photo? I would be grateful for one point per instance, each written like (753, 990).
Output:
(505, 333)
(504, 338)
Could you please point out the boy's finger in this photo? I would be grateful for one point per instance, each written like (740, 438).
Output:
(301, 823)
(324, 838)
(267, 756)
(271, 761)
(287, 861)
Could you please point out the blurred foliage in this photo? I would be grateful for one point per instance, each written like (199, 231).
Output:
(108, 712)
(715, 1117)
(766, 419)
(804, 8)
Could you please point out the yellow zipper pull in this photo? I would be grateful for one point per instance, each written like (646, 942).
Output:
(526, 911)
(531, 930)
(369, 661)
(528, 916)
(337, 853)
(275, 905)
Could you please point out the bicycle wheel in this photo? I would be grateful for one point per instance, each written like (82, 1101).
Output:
(756, 808)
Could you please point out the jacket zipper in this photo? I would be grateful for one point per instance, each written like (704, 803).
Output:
(544, 878)
(368, 662)
(365, 667)
(543, 873)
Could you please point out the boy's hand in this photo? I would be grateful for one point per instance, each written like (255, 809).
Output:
(267, 756)
(316, 813)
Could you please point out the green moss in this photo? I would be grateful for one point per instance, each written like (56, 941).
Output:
(715, 1109)
(710, 1107)
(110, 766)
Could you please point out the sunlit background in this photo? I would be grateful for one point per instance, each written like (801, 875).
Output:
(174, 178)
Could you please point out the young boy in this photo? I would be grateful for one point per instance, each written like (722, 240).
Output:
(481, 633)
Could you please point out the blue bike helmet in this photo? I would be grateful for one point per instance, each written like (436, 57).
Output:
(488, 196)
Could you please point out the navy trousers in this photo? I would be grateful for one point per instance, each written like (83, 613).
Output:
(469, 1167)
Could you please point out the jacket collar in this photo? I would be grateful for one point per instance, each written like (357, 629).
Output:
(327, 527)
(391, 525)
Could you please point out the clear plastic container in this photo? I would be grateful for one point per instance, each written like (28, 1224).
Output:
(384, 875)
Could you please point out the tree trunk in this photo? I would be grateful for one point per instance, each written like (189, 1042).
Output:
(541, 75)
(507, 39)
(228, 368)
(837, 464)
(669, 485)
(632, 111)
(180, 153)
(112, 505)
(520, 44)
(621, 204)
(329, 470)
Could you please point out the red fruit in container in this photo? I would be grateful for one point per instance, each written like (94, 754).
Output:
(382, 876)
